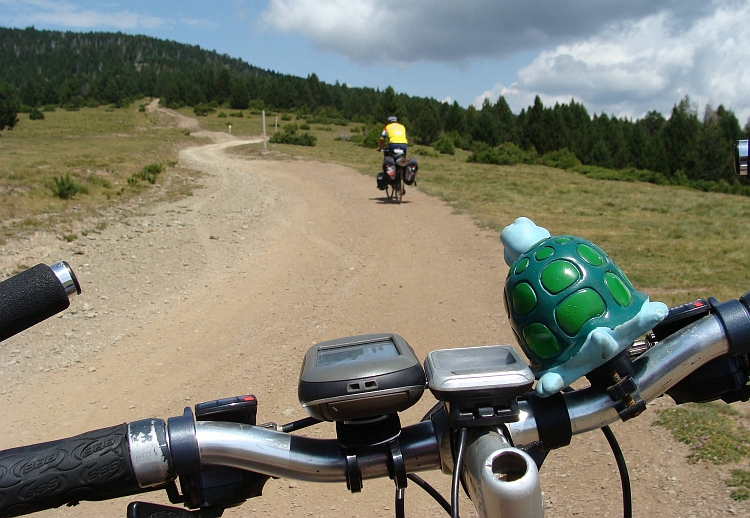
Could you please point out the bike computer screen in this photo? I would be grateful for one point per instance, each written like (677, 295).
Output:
(360, 377)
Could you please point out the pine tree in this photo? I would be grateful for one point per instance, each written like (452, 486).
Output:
(388, 105)
(8, 107)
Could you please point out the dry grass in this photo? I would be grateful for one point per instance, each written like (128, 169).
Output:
(98, 148)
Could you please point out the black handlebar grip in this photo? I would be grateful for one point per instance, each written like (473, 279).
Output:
(30, 297)
(91, 466)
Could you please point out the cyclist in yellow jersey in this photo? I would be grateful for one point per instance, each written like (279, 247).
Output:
(396, 135)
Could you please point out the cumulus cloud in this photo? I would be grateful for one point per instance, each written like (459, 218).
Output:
(621, 57)
(450, 31)
(645, 64)
(23, 13)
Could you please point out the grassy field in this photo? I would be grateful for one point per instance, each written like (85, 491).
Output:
(97, 148)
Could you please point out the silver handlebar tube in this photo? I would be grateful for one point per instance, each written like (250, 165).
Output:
(657, 370)
(279, 454)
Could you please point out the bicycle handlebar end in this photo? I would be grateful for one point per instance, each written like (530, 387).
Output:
(67, 278)
(735, 317)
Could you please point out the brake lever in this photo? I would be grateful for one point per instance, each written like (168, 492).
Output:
(149, 510)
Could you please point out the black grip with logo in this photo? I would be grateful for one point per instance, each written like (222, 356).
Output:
(91, 466)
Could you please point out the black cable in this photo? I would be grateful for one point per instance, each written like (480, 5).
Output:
(297, 425)
(457, 471)
(627, 500)
(430, 491)
(400, 512)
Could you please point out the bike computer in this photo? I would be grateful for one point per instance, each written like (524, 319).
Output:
(485, 373)
(360, 377)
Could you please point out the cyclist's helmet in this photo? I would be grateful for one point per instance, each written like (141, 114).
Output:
(391, 119)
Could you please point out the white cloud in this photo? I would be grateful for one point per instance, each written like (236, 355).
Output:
(447, 31)
(646, 64)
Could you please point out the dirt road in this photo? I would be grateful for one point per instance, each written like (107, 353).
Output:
(221, 293)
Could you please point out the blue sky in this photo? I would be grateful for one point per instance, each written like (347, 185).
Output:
(620, 57)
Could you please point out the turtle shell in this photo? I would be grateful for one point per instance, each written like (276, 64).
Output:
(558, 292)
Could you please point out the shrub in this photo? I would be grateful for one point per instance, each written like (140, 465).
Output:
(290, 136)
(66, 187)
(506, 153)
(304, 126)
(236, 114)
(372, 137)
(36, 115)
(202, 110)
(561, 159)
(459, 140)
(24, 108)
(286, 117)
(444, 145)
(222, 115)
(148, 173)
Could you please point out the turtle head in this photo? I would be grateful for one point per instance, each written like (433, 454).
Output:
(519, 237)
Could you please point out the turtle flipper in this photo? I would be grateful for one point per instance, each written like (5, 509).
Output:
(601, 345)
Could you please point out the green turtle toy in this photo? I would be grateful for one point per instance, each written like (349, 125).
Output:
(571, 308)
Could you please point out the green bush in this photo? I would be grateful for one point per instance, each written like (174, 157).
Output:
(290, 136)
(148, 173)
(236, 114)
(445, 146)
(36, 115)
(66, 187)
(24, 108)
(286, 117)
(202, 110)
(304, 126)
(561, 159)
(222, 115)
(506, 153)
(372, 137)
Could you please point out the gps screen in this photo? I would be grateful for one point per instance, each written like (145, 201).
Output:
(357, 353)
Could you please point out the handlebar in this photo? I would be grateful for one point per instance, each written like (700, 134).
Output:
(225, 460)
(151, 454)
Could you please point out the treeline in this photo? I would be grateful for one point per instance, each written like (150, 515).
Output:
(684, 146)
(71, 70)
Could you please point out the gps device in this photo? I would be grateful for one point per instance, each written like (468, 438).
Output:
(360, 377)
(492, 374)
